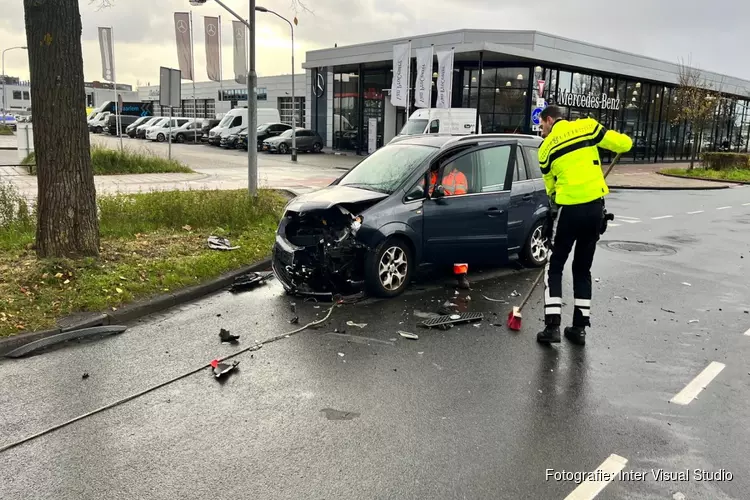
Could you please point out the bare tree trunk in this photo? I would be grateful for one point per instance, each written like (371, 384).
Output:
(67, 224)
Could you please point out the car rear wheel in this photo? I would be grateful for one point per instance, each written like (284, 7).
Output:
(389, 268)
(536, 251)
(160, 138)
(283, 148)
(180, 138)
(317, 147)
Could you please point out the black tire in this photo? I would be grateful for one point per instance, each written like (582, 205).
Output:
(317, 147)
(160, 138)
(395, 246)
(98, 130)
(530, 255)
(283, 148)
(180, 138)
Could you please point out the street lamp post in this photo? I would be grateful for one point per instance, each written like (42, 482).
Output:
(294, 100)
(5, 78)
(252, 101)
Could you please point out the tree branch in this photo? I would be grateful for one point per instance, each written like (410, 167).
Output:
(103, 4)
(299, 6)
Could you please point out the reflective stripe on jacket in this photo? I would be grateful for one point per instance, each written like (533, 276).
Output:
(455, 183)
(570, 162)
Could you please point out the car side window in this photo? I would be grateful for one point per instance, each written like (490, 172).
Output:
(236, 122)
(493, 167)
(533, 156)
(520, 173)
(434, 127)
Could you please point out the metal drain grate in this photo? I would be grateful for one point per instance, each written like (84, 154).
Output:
(452, 320)
(638, 247)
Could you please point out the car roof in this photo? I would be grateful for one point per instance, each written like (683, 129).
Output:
(447, 140)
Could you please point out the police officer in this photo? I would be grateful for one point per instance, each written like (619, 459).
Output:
(570, 162)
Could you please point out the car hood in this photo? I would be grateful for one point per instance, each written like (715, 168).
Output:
(277, 139)
(330, 196)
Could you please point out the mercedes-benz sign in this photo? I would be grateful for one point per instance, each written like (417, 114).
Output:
(197, 3)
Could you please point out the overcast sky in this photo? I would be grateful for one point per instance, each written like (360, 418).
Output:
(714, 34)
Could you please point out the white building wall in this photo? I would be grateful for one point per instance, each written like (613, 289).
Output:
(329, 109)
(18, 98)
(308, 98)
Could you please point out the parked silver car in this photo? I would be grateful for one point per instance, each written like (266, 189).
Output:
(307, 140)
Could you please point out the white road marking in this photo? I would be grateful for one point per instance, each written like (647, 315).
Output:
(696, 212)
(747, 333)
(610, 468)
(745, 204)
(626, 217)
(699, 383)
(611, 224)
(662, 217)
(631, 221)
(723, 208)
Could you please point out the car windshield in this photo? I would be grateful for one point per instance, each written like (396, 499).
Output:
(414, 127)
(386, 168)
(286, 133)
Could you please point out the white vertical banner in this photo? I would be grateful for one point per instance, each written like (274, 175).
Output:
(106, 47)
(445, 79)
(400, 83)
(184, 37)
(423, 85)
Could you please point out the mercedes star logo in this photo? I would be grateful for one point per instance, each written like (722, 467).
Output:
(211, 30)
(181, 26)
(238, 34)
(320, 85)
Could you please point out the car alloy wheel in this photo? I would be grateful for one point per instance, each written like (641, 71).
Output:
(393, 268)
(317, 147)
(283, 148)
(160, 138)
(536, 251)
(180, 138)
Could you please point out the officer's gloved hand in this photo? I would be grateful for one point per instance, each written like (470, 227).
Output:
(549, 221)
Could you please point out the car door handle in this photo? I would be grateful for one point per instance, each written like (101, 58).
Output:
(494, 212)
(527, 197)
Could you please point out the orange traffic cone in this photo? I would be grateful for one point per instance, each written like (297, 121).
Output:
(461, 270)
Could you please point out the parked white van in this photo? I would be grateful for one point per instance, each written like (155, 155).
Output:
(235, 120)
(98, 123)
(457, 121)
(160, 130)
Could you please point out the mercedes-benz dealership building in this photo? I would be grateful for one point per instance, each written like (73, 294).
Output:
(498, 73)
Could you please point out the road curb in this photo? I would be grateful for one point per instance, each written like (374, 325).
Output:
(135, 310)
(8, 148)
(740, 183)
(669, 188)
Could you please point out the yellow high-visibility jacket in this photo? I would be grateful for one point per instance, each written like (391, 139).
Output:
(570, 160)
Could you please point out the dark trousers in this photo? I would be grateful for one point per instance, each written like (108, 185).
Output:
(579, 225)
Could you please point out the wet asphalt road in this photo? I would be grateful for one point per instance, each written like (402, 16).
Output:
(472, 412)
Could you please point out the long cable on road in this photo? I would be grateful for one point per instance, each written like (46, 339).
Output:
(253, 347)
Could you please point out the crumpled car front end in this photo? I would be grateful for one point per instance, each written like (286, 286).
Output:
(317, 252)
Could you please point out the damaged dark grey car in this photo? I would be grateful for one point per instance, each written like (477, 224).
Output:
(377, 225)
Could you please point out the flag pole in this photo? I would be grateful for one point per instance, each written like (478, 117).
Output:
(192, 70)
(114, 84)
(408, 82)
(221, 69)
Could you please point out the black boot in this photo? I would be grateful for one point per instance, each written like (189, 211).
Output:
(550, 334)
(576, 334)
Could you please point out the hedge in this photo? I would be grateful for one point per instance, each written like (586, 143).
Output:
(726, 161)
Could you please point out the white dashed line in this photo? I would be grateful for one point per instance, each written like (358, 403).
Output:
(699, 383)
(629, 218)
(723, 208)
(631, 221)
(747, 333)
(662, 217)
(613, 224)
(696, 212)
(606, 472)
(745, 204)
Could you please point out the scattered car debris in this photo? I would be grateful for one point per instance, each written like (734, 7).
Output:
(408, 335)
(85, 376)
(692, 321)
(678, 496)
(686, 283)
(453, 319)
(249, 281)
(650, 361)
(502, 301)
(216, 243)
(221, 369)
(597, 280)
(294, 320)
(332, 414)
(515, 293)
(293, 307)
(341, 354)
(640, 302)
(668, 311)
(226, 337)
(425, 315)
(447, 308)
(358, 325)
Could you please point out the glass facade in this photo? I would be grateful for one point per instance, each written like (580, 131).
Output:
(505, 95)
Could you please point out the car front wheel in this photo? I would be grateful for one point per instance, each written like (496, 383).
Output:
(160, 138)
(536, 251)
(389, 268)
(317, 147)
